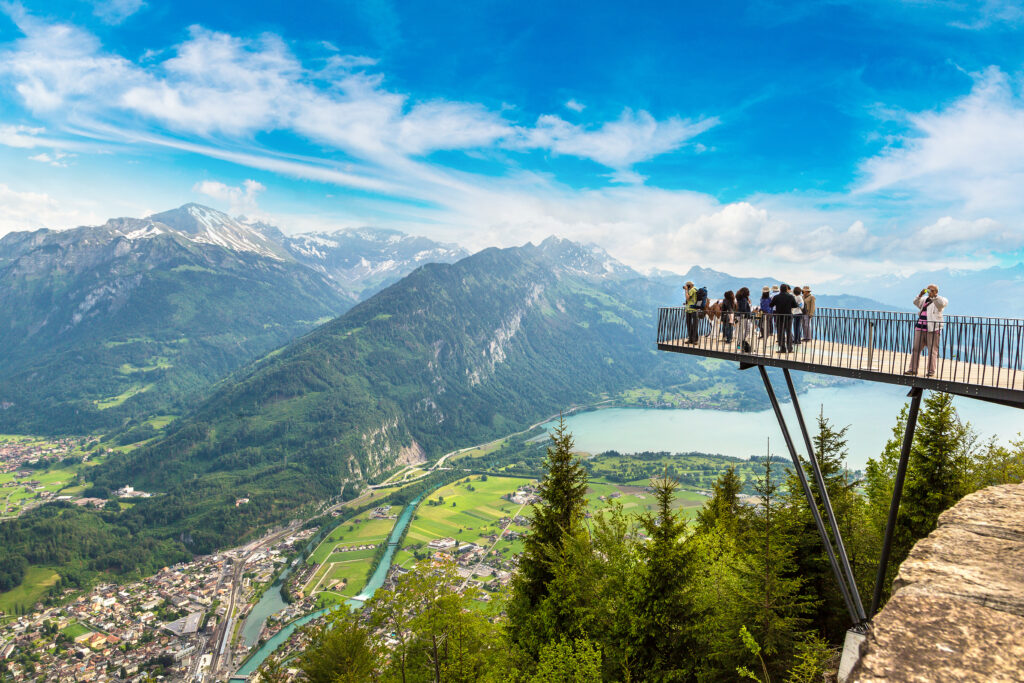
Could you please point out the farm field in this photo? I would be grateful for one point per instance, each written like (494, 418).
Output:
(345, 557)
(467, 511)
(36, 582)
(635, 500)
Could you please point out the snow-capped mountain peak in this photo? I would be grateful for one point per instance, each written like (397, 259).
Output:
(204, 225)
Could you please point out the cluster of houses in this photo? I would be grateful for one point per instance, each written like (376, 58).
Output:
(123, 633)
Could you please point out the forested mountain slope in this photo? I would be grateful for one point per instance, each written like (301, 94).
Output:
(135, 317)
(451, 355)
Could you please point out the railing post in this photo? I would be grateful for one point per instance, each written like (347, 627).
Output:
(871, 341)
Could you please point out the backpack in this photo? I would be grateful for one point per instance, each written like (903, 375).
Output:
(702, 298)
(766, 305)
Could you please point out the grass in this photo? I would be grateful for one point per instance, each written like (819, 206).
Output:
(161, 421)
(75, 629)
(364, 532)
(474, 515)
(37, 581)
(114, 401)
(158, 363)
(635, 500)
(480, 451)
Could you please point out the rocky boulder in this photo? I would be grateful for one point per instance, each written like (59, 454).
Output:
(957, 609)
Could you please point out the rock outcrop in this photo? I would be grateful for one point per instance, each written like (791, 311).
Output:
(957, 609)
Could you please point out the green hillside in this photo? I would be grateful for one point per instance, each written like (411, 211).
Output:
(451, 355)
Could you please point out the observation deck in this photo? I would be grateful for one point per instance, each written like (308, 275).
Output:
(978, 357)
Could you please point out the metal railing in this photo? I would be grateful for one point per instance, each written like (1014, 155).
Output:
(971, 350)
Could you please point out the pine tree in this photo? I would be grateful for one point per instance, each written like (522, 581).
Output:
(664, 629)
(558, 516)
(771, 603)
(935, 477)
(722, 509)
(812, 564)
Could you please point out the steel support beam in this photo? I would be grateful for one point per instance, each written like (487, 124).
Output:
(897, 493)
(851, 582)
(854, 616)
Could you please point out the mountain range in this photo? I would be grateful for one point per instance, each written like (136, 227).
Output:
(452, 354)
(137, 317)
(299, 364)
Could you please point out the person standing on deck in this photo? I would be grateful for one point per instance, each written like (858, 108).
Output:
(743, 320)
(766, 312)
(808, 312)
(728, 313)
(798, 315)
(691, 313)
(783, 304)
(928, 328)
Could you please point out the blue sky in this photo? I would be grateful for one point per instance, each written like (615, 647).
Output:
(821, 139)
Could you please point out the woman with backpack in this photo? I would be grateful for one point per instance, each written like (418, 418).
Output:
(728, 313)
(766, 312)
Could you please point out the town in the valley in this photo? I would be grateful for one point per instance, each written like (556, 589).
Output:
(189, 622)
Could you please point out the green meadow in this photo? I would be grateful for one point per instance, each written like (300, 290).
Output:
(36, 582)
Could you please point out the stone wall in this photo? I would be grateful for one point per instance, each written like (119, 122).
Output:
(957, 609)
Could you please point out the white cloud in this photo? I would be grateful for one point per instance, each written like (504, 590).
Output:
(216, 83)
(116, 11)
(214, 93)
(34, 210)
(970, 153)
(55, 63)
(24, 137)
(59, 159)
(989, 13)
(619, 144)
(240, 199)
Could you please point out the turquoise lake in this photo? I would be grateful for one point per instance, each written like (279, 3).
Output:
(870, 410)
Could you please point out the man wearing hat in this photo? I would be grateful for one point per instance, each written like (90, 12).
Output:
(691, 313)
(808, 312)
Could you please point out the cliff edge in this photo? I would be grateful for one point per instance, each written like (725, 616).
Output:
(957, 609)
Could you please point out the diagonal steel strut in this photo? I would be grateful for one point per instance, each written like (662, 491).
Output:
(897, 493)
(827, 504)
(840, 580)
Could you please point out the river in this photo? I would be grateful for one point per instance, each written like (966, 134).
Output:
(870, 409)
(272, 601)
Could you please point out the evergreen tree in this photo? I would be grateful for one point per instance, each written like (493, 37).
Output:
(811, 559)
(565, 662)
(771, 604)
(664, 643)
(995, 464)
(558, 516)
(935, 476)
(723, 509)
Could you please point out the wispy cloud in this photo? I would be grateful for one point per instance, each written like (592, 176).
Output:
(955, 172)
(241, 199)
(969, 154)
(59, 159)
(116, 11)
(34, 210)
(219, 84)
